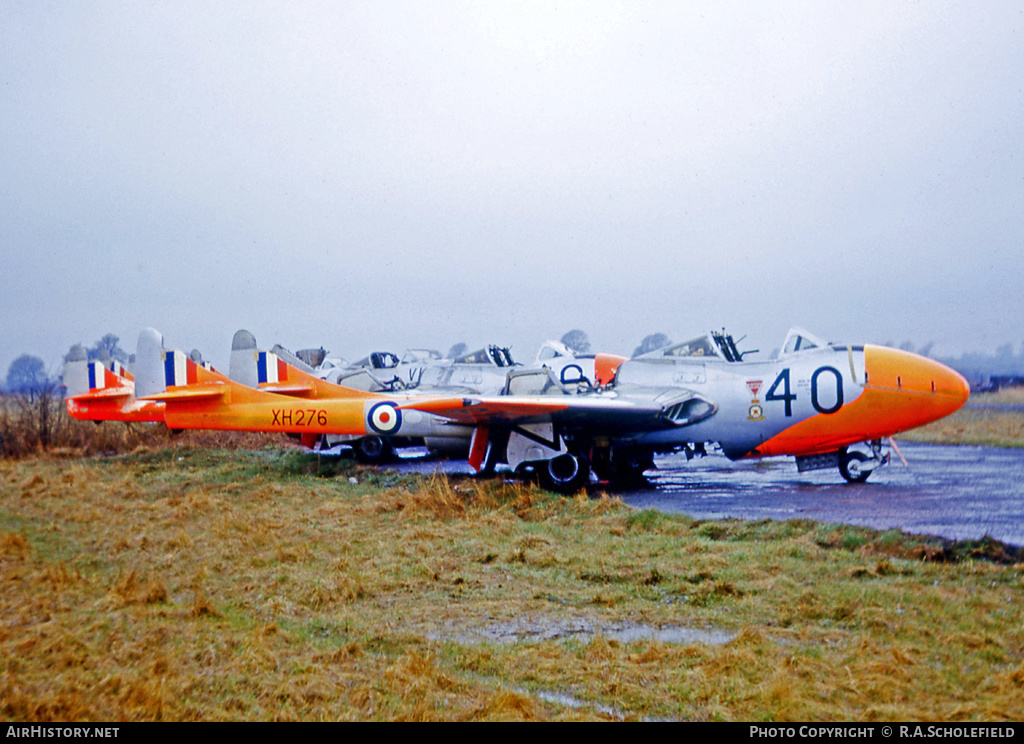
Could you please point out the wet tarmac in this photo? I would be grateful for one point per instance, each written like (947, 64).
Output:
(956, 492)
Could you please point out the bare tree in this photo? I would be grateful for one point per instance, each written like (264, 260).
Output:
(652, 342)
(34, 402)
(577, 341)
(107, 347)
(25, 373)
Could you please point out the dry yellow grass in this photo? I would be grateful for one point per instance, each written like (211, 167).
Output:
(185, 583)
(978, 424)
(21, 435)
(1010, 395)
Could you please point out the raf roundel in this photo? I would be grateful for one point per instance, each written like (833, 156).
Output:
(385, 418)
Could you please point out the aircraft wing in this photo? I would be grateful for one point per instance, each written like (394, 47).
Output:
(482, 410)
(646, 411)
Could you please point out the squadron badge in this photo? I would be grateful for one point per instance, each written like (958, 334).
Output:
(755, 412)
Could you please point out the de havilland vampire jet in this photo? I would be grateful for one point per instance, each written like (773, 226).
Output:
(280, 371)
(383, 371)
(291, 401)
(196, 397)
(817, 402)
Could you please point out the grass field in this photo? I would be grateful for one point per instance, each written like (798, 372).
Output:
(980, 422)
(185, 581)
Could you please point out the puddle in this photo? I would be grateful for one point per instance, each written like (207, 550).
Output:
(535, 631)
(559, 698)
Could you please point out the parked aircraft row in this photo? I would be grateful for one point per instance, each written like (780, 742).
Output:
(566, 417)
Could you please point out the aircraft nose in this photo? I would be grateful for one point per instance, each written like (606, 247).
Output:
(927, 389)
(952, 384)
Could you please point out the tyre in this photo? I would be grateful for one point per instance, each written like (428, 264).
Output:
(630, 468)
(373, 450)
(601, 463)
(851, 466)
(625, 468)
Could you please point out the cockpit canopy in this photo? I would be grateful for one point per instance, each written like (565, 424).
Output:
(378, 360)
(716, 345)
(312, 357)
(696, 347)
(798, 340)
(536, 382)
(553, 350)
(499, 356)
(420, 356)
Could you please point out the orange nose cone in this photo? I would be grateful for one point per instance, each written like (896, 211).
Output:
(915, 390)
(952, 385)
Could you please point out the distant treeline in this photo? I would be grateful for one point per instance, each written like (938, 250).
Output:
(28, 373)
(978, 367)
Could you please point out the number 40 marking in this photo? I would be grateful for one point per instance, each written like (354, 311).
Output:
(787, 396)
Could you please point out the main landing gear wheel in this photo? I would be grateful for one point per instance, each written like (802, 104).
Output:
(622, 468)
(373, 450)
(629, 469)
(566, 473)
(851, 466)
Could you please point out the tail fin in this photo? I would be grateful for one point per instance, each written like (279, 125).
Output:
(166, 374)
(159, 368)
(149, 372)
(186, 379)
(241, 369)
(264, 370)
(82, 377)
(120, 370)
(279, 371)
(97, 392)
(76, 373)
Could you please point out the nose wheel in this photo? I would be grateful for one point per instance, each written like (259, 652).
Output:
(855, 467)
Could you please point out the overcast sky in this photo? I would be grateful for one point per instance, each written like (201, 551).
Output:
(386, 175)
